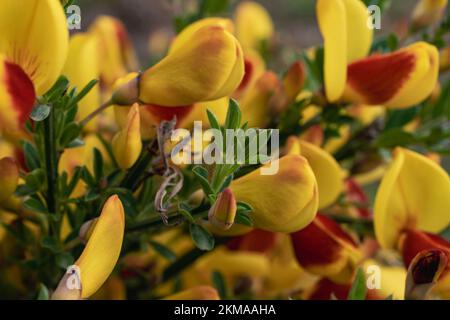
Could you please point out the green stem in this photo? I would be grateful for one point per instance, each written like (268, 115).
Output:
(156, 223)
(97, 111)
(51, 168)
(132, 177)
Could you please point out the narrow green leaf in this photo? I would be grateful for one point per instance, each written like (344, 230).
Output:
(35, 205)
(201, 237)
(43, 293)
(164, 251)
(213, 120)
(359, 289)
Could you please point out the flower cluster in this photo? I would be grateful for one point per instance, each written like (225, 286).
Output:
(93, 206)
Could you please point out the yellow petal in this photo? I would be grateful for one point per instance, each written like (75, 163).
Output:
(35, 37)
(218, 107)
(116, 54)
(127, 144)
(103, 248)
(292, 206)
(234, 263)
(332, 20)
(253, 25)
(255, 103)
(9, 178)
(329, 175)
(209, 68)
(413, 194)
(185, 36)
(359, 35)
(81, 67)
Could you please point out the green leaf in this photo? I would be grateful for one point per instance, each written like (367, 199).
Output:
(35, 179)
(35, 205)
(185, 211)
(394, 138)
(233, 119)
(70, 133)
(98, 164)
(213, 120)
(202, 176)
(201, 237)
(220, 284)
(63, 260)
(85, 91)
(51, 244)
(163, 251)
(43, 293)
(31, 156)
(40, 112)
(359, 289)
(243, 219)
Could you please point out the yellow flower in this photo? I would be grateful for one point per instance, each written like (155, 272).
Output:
(185, 36)
(81, 67)
(116, 55)
(255, 102)
(100, 255)
(29, 63)
(254, 25)
(9, 178)
(337, 255)
(414, 194)
(416, 74)
(289, 207)
(350, 76)
(328, 173)
(428, 12)
(127, 144)
(210, 66)
(347, 38)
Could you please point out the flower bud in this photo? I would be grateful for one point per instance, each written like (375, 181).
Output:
(423, 273)
(254, 26)
(9, 178)
(428, 12)
(127, 144)
(445, 58)
(115, 53)
(223, 212)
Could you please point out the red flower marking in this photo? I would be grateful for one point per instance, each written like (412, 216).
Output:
(379, 77)
(21, 90)
(315, 244)
(161, 113)
(255, 241)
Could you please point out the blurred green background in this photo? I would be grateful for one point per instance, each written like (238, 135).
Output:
(294, 19)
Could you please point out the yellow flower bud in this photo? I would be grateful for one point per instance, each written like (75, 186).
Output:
(223, 212)
(253, 25)
(127, 144)
(428, 12)
(9, 178)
